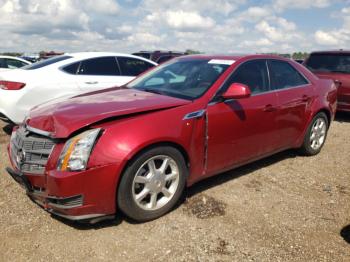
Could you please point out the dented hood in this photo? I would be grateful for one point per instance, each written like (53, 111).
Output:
(63, 118)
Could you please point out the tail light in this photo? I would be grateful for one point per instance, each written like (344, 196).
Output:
(9, 85)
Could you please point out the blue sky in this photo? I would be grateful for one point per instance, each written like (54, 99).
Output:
(220, 26)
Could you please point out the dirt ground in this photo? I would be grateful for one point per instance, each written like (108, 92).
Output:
(282, 208)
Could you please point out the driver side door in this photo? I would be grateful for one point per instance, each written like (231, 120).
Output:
(242, 130)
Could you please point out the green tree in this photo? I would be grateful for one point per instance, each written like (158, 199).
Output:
(12, 54)
(192, 52)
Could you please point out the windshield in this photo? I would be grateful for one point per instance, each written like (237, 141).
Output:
(46, 62)
(188, 79)
(337, 63)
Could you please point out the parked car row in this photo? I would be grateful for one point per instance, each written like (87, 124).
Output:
(64, 76)
(333, 65)
(159, 56)
(88, 153)
(10, 62)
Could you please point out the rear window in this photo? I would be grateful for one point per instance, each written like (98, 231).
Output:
(336, 63)
(46, 62)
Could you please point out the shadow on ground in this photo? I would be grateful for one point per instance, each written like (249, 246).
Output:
(345, 233)
(238, 172)
(342, 117)
(192, 191)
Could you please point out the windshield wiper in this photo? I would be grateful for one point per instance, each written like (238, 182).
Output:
(340, 71)
(155, 91)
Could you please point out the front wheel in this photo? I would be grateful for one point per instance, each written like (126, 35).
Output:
(152, 184)
(316, 135)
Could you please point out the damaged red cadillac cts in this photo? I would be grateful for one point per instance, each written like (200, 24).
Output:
(135, 148)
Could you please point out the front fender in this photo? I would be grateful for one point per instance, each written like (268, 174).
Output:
(122, 139)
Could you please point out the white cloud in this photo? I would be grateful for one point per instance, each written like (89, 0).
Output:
(218, 6)
(281, 5)
(109, 7)
(326, 38)
(254, 13)
(337, 37)
(206, 25)
(188, 20)
(146, 38)
(269, 31)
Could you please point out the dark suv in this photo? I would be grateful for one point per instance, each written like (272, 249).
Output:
(159, 56)
(334, 65)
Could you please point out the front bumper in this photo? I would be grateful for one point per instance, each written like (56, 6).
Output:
(88, 195)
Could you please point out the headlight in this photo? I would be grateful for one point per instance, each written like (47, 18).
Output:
(76, 151)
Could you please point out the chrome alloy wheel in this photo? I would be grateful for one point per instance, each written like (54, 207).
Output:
(318, 133)
(155, 182)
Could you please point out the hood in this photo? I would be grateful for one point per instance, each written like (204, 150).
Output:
(63, 118)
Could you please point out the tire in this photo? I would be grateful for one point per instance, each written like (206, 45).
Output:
(152, 183)
(315, 137)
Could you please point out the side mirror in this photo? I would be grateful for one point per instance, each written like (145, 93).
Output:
(237, 91)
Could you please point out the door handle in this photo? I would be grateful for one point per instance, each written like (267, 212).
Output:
(305, 98)
(337, 82)
(91, 82)
(269, 108)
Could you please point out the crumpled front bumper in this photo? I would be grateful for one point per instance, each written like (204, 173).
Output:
(71, 196)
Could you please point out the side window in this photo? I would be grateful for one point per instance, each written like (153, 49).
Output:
(72, 68)
(253, 74)
(2, 63)
(104, 66)
(132, 66)
(283, 75)
(12, 63)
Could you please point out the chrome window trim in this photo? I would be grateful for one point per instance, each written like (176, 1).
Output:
(265, 93)
(279, 90)
(212, 102)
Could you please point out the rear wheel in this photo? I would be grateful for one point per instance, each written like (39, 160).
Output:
(316, 135)
(152, 184)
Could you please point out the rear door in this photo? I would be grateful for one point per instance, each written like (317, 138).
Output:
(294, 94)
(98, 73)
(244, 129)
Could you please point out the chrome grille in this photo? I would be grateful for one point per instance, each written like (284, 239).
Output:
(30, 152)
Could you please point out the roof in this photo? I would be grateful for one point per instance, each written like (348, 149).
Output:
(339, 51)
(159, 51)
(85, 55)
(14, 57)
(232, 57)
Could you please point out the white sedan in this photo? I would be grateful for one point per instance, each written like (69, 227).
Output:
(11, 62)
(62, 77)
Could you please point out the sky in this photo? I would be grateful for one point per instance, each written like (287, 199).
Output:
(210, 26)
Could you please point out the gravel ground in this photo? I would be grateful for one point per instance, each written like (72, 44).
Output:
(282, 208)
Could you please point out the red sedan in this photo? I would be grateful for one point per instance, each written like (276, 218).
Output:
(135, 148)
(333, 65)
